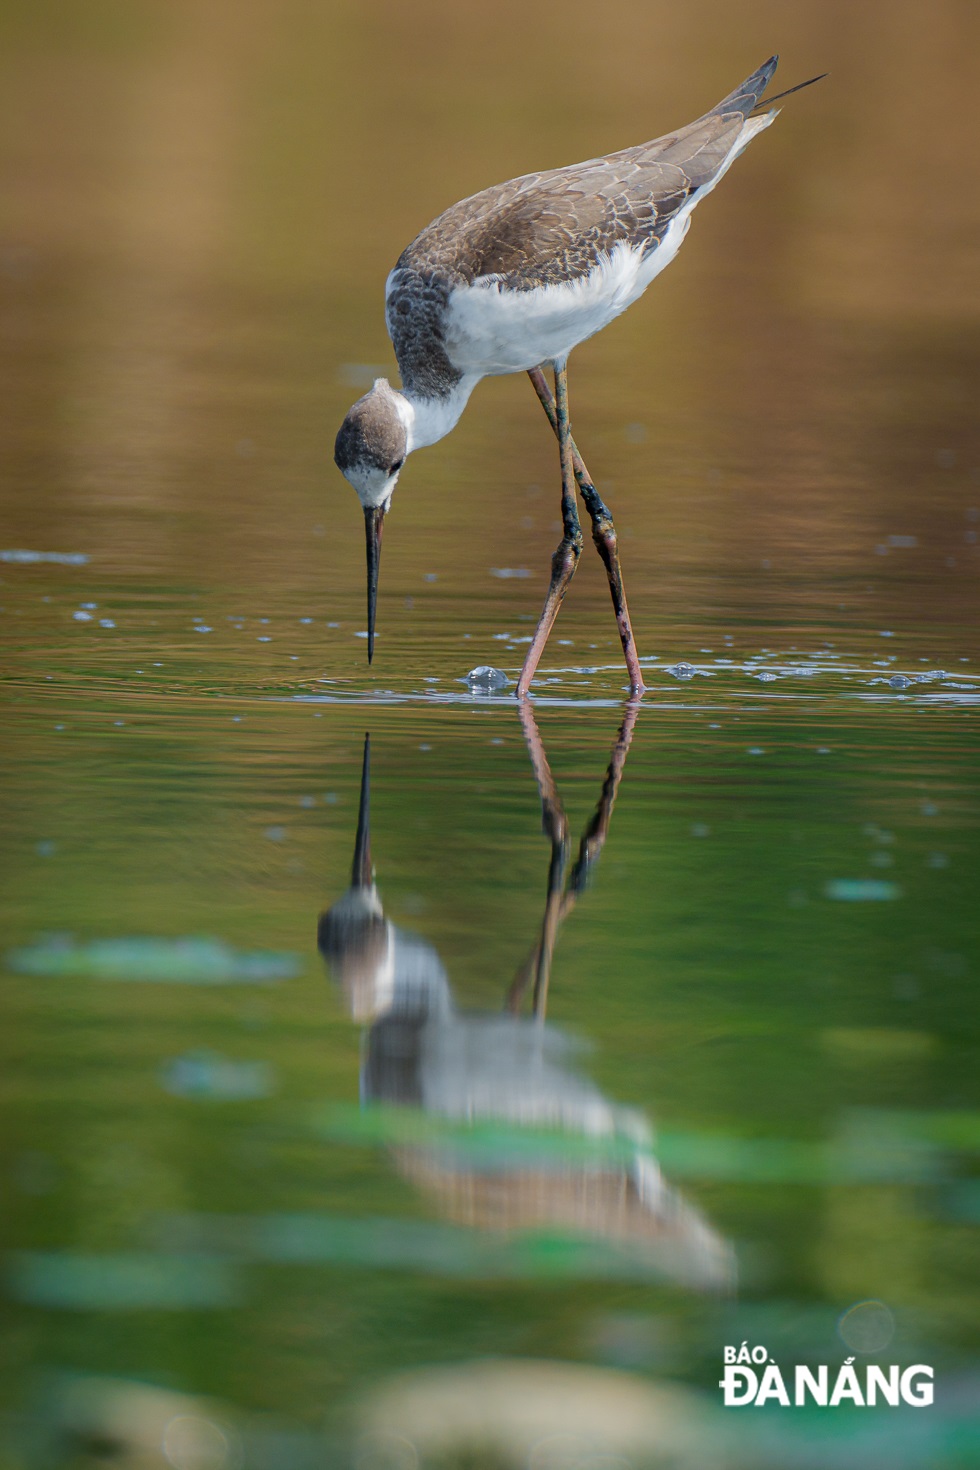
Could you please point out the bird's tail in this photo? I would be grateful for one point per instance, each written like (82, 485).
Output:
(748, 98)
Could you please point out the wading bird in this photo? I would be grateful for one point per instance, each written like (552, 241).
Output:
(490, 1113)
(509, 281)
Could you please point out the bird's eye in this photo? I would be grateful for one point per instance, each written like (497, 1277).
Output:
(396, 467)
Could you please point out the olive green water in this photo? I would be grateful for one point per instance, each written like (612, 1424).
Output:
(775, 959)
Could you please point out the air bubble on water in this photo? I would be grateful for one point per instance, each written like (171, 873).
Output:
(682, 670)
(900, 681)
(886, 633)
(264, 638)
(200, 628)
(937, 860)
(505, 573)
(756, 750)
(486, 677)
(82, 617)
(306, 620)
(928, 809)
(265, 620)
(766, 677)
(106, 623)
(275, 834)
(333, 625)
(307, 801)
(431, 577)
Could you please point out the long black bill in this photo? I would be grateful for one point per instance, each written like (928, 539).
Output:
(374, 517)
(362, 873)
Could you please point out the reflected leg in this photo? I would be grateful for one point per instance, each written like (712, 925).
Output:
(560, 901)
(594, 838)
(554, 824)
(565, 559)
(603, 534)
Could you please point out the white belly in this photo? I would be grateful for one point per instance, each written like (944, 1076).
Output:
(493, 330)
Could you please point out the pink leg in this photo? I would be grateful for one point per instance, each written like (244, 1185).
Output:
(603, 534)
(565, 559)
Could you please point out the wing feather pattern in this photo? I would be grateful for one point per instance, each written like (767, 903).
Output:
(552, 227)
(545, 228)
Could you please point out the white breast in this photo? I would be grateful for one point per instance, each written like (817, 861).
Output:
(491, 329)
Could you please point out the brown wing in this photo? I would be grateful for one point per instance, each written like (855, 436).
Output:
(549, 227)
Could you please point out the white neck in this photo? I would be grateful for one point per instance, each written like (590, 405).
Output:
(430, 419)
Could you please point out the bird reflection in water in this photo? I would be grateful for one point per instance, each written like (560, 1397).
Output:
(554, 1155)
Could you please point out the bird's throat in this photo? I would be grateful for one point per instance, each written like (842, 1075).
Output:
(433, 418)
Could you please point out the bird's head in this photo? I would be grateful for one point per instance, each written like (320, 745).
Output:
(372, 445)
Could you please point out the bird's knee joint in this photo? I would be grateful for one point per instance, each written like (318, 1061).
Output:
(568, 552)
(604, 534)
